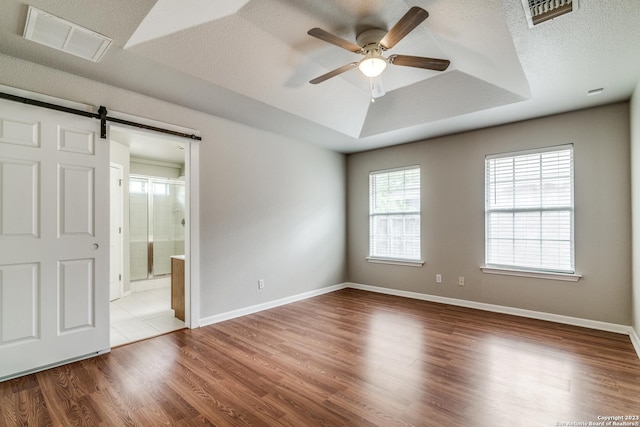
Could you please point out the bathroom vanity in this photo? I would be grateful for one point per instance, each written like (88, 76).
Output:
(177, 285)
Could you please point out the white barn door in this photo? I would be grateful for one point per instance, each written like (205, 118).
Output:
(54, 238)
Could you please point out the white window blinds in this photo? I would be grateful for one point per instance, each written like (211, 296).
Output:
(394, 214)
(529, 210)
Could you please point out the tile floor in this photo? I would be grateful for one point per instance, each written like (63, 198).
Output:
(142, 315)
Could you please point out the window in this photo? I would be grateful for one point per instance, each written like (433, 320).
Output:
(394, 214)
(140, 186)
(529, 210)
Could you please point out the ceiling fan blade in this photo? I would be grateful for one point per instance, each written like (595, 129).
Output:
(414, 17)
(333, 73)
(321, 34)
(420, 62)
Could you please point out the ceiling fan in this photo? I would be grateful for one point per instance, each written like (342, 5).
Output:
(372, 43)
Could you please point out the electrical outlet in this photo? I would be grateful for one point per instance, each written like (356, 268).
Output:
(261, 284)
(461, 281)
(438, 278)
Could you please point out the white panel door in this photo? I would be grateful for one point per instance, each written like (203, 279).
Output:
(54, 244)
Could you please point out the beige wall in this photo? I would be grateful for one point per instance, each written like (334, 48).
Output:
(274, 209)
(153, 168)
(635, 185)
(453, 216)
(270, 208)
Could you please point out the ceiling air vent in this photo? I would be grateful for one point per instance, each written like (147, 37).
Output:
(538, 11)
(66, 36)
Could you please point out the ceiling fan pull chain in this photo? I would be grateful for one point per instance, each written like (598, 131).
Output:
(377, 88)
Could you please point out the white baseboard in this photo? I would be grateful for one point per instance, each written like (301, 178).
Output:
(635, 340)
(267, 305)
(567, 320)
(575, 321)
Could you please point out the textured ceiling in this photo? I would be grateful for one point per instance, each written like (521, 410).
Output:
(251, 60)
(269, 57)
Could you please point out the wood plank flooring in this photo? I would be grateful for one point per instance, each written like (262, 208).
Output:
(348, 358)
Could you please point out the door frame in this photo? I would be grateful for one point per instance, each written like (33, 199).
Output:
(121, 220)
(192, 207)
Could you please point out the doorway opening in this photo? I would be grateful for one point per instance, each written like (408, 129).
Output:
(155, 235)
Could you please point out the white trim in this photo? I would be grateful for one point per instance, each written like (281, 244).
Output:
(509, 171)
(375, 254)
(635, 340)
(192, 265)
(567, 277)
(151, 122)
(396, 261)
(192, 207)
(267, 305)
(401, 168)
(546, 149)
(557, 318)
(120, 168)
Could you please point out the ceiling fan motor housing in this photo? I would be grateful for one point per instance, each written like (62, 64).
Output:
(370, 39)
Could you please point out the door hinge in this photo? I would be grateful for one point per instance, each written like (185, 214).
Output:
(119, 183)
(120, 277)
(119, 230)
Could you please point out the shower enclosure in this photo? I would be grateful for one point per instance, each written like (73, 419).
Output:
(156, 225)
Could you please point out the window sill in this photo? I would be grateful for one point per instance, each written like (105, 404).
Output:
(406, 262)
(566, 277)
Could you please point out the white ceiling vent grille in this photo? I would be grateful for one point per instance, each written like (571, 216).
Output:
(66, 36)
(538, 11)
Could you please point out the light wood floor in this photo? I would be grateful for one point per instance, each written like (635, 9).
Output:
(347, 358)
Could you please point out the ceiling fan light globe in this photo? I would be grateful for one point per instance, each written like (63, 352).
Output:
(372, 66)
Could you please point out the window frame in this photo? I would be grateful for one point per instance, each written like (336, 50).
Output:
(514, 268)
(390, 259)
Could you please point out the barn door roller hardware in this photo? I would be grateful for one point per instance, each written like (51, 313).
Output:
(102, 115)
(102, 112)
